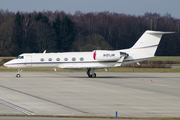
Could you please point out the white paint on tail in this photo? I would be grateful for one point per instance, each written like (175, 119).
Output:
(148, 43)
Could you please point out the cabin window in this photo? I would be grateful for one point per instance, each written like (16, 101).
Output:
(50, 59)
(42, 59)
(57, 59)
(73, 59)
(65, 59)
(81, 58)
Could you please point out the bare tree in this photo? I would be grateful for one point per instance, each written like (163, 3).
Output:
(6, 29)
(5, 39)
(44, 37)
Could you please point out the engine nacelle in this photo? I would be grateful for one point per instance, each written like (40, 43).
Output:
(102, 55)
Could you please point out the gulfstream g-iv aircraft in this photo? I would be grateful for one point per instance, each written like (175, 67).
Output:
(143, 49)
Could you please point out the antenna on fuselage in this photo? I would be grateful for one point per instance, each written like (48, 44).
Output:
(44, 51)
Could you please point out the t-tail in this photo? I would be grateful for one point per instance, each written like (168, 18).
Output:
(147, 45)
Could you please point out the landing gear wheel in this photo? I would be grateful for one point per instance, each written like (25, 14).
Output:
(18, 75)
(90, 76)
(93, 75)
(90, 73)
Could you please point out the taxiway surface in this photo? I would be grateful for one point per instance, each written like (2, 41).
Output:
(59, 93)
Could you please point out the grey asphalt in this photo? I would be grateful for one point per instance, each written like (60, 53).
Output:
(55, 118)
(59, 93)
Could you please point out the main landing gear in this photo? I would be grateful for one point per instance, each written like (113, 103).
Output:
(91, 73)
(18, 74)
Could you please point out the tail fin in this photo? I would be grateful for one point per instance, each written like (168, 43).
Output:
(148, 43)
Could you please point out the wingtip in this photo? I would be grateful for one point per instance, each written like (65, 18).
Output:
(158, 32)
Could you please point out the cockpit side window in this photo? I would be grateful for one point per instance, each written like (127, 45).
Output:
(19, 57)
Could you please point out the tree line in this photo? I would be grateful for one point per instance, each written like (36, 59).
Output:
(58, 31)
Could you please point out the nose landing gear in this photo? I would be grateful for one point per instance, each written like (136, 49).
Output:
(19, 71)
(91, 73)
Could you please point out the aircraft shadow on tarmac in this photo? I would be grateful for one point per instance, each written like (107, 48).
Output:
(98, 77)
(110, 77)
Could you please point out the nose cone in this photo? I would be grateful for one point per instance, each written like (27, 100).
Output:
(14, 64)
(5, 64)
(8, 64)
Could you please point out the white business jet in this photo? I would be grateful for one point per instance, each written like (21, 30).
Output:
(143, 49)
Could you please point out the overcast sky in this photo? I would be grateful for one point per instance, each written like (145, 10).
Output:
(132, 7)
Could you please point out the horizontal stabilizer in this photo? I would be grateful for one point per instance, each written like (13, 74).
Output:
(158, 32)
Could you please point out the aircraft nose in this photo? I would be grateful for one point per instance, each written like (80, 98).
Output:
(5, 64)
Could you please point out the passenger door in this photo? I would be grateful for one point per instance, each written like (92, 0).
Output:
(28, 60)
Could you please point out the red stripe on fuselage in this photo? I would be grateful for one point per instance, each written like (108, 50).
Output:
(94, 55)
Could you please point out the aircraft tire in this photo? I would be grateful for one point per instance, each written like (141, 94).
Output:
(93, 75)
(89, 75)
(18, 75)
(88, 72)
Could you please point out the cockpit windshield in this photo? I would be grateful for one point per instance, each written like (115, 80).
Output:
(19, 57)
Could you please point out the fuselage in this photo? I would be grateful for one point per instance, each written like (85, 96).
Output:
(76, 60)
(68, 60)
